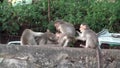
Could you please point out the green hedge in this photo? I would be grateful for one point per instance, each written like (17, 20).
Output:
(98, 15)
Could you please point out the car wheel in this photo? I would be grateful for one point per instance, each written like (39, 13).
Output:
(105, 46)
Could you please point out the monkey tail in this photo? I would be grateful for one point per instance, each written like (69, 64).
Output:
(98, 51)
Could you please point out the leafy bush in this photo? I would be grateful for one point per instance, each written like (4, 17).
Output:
(12, 18)
(98, 15)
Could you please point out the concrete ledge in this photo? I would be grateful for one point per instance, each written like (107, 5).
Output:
(49, 56)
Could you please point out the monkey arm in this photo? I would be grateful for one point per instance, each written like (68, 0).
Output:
(82, 45)
(38, 33)
(78, 33)
(81, 38)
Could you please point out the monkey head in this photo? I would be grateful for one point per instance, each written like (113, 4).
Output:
(83, 27)
(58, 22)
(56, 25)
(58, 35)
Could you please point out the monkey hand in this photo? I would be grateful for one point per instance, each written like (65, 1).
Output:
(82, 45)
(78, 33)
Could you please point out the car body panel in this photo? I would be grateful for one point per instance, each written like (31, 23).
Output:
(14, 43)
(109, 38)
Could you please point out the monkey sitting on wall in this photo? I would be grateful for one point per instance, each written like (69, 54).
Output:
(88, 35)
(28, 37)
(66, 32)
(91, 39)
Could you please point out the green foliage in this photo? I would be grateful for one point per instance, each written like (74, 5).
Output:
(12, 18)
(51, 27)
(98, 15)
(103, 15)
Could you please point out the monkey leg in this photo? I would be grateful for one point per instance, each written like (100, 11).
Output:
(66, 43)
(32, 42)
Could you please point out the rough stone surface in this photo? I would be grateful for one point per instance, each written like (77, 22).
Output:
(48, 56)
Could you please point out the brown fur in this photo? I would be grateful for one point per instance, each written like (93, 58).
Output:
(66, 31)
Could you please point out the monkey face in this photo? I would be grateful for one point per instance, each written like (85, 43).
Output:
(82, 28)
(51, 36)
(58, 35)
(56, 24)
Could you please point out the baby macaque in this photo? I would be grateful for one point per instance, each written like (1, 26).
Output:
(47, 37)
(66, 31)
(64, 39)
(28, 37)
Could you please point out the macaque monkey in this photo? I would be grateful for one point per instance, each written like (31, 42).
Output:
(88, 35)
(28, 37)
(63, 40)
(91, 39)
(66, 32)
(64, 27)
(47, 37)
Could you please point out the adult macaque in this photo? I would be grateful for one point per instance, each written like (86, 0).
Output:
(28, 37)
(91, 39)
(64, 27)
(66, 32)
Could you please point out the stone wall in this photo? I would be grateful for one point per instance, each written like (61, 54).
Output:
(55, 57)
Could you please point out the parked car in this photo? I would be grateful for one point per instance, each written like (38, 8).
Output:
(14, 43)
(110, 39)
(19, 2)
